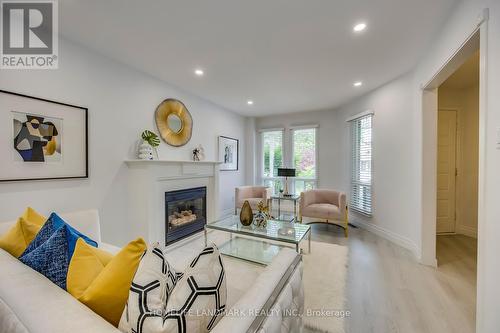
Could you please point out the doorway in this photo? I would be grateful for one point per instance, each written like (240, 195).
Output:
(453, 141)
(474, 43)
(458, 151)
(457, 181)
(457, 174)
(477, 40)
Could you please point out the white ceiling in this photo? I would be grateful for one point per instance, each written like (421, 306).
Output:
(285, 55)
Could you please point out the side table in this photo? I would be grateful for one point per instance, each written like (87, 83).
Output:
(295, 198)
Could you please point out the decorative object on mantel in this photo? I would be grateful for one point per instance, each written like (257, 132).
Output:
(199, 153)
(145, 151)
(41, 139)
(246, 214)
(174, 122)
(260, 219)
(150, 138)
(228, 153)
(148, 146)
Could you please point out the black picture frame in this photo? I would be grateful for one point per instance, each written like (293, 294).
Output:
(86, 139)
(222, 166)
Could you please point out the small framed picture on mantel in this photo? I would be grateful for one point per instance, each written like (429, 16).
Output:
(228, 153)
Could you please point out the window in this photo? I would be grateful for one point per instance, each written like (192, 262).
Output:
(304, 158)
(361, 165)
(296, 148)
(272, 148)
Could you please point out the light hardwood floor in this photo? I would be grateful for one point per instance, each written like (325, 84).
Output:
(388, 291)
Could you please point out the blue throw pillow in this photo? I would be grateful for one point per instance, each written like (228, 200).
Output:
(51, 258)
(54, 223)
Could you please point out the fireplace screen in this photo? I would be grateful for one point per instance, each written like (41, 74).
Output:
(185, 213)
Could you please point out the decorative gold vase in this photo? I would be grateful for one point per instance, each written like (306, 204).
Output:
(246, 214)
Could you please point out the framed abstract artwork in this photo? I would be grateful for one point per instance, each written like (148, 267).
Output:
(42, 139)
(228, 153)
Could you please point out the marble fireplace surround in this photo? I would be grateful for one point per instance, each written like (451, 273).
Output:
(149, 180)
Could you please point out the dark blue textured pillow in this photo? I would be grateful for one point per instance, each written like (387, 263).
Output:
(54, 223)
(51, 258)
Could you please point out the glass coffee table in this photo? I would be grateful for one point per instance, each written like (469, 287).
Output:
(259, 245)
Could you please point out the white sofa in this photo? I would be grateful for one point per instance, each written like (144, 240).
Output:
(30, 303)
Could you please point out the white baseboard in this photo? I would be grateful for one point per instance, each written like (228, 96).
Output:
(467, 231)
(390, 236)
(432, 263)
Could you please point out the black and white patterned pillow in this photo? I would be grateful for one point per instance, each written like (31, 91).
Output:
(150, 290)
(195, 305)
(198, 300)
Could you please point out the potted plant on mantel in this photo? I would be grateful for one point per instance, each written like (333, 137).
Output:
(149, 143)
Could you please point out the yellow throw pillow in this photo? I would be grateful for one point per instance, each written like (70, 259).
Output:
(86, 264)
(33, 216)
(108, 292)
(17, 239)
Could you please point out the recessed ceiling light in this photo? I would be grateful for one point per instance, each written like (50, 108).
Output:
(250, 102)
(198, 72)
(359, 27)
(358, 84)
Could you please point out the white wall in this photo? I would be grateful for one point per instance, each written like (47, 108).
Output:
(394, 159)
(121, 103)
(466, 102)
(250, 151)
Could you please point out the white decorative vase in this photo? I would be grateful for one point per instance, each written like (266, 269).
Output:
(145, 151)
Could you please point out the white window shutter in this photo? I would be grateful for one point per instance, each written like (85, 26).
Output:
(361, 165)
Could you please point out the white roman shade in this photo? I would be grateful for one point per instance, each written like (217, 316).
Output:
(361, 163)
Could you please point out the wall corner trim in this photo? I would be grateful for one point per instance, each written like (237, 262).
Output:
(483, 16)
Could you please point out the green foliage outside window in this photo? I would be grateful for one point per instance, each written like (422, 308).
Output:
(277, 161)
(304, 152)
(273, 153)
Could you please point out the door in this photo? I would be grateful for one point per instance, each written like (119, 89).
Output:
(446, 171)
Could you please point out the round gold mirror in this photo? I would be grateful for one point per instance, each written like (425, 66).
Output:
(174, 122)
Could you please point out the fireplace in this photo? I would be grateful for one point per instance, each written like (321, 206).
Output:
(185, 213)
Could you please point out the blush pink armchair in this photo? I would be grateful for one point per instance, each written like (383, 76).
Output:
(328, 205)
(254, 195)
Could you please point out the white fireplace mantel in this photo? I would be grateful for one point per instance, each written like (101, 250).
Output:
(149, 180)
(137, 161)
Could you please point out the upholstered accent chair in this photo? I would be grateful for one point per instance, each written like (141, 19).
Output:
(252, 194)
(327, 205)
